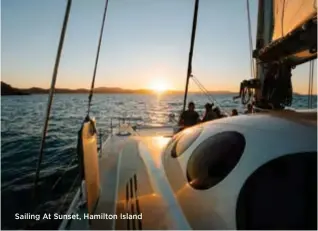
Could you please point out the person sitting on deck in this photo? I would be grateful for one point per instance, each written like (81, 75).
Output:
(249, 109)
(234, 112)
(218, 113)
(189, 117)
(209, 113)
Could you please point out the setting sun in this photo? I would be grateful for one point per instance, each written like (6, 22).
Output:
(159, 86)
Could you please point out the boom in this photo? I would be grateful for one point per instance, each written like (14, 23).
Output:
(286, 37)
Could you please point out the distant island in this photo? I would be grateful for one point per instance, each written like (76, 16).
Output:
(7, 89)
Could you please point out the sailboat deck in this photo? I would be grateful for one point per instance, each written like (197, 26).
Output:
(129, 185)
(126, 130)
(166, 131)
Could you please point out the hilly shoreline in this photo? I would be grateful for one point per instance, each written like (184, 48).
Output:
(7, 89)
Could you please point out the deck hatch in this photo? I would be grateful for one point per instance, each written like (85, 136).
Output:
(214, 159)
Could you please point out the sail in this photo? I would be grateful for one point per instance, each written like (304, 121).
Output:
(290, 14)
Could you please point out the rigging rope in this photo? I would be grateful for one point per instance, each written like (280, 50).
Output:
(67, 194)
(96, 60)
(49, 105)
(206, 92)
(250, 39)
(37, 209)
(63, 174)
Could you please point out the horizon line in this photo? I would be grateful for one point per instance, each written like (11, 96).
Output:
(137, 89)
(112, 87)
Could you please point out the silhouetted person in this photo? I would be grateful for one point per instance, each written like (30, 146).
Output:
(234, 112)
(209, 113)
(189, 117)
(218, 113)
(249, 109)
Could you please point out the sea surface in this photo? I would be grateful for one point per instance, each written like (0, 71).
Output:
(22, 120)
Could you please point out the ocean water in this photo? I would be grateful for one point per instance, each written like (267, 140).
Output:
(22, 119)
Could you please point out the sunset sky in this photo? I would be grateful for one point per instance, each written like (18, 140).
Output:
(145, 43)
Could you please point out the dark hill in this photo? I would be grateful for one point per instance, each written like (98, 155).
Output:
(6, 89)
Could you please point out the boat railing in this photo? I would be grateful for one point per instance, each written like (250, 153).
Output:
(137, 124)
(133, 121)
(156, 126)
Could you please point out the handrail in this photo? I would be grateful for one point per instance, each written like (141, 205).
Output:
(128, 118)
(158, 127)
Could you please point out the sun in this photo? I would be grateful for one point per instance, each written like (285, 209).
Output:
(159, 86)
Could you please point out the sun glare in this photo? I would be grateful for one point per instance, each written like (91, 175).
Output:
(159, 86)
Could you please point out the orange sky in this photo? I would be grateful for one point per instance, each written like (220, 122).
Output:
(163, 82)
(145, 43)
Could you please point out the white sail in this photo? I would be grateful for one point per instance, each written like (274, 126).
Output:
(289, 14)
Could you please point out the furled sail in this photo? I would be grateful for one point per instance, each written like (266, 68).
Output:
(290, 14)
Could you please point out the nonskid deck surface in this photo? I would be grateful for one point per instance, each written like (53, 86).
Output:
(132, 174)
(130, 187)
(108, 170)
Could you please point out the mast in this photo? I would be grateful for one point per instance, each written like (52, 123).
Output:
(263, 38)
(194, 25)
